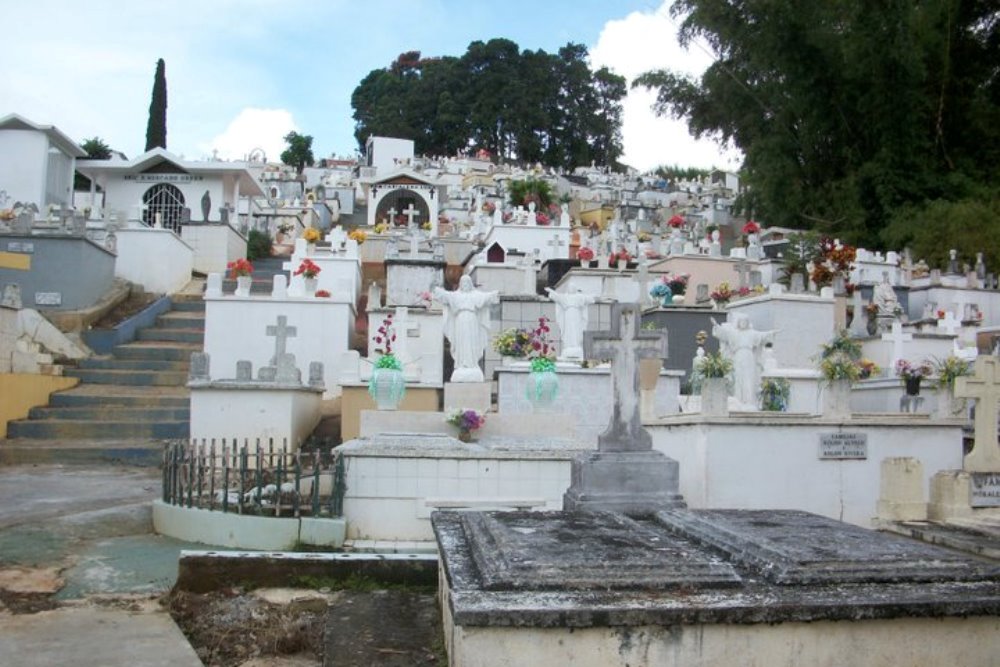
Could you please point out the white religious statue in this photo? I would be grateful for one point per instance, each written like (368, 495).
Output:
(571, 316)
(564, 216)
(745, 347)
(467, 327)
(884, 297)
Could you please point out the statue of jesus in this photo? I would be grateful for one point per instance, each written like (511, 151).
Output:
(571, 316)
(467, 327)
(745, 347)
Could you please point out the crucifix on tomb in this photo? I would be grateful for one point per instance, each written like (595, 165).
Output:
(415, 236)
(642, 278)
(897, 338)
(283, 365)
(392, 214)
(743, 268)
(625, 474)
(984, 386)
(949, 323)
(410, 214)
(624, 345)
(555, 244)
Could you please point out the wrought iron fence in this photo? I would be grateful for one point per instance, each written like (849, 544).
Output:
(257, 478)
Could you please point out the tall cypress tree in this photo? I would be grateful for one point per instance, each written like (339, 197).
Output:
(156, 129)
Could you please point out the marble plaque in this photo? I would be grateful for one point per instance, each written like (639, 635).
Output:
(984, 489)
(789, 547)
(21, 246)
(48, 298)
(839, 446)
(586, 551)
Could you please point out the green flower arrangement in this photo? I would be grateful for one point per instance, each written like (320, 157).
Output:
(542, 365)
(712, 365)
(389, 361)
(948, 369)
(840, 359)
(513, 343)
(774, 393)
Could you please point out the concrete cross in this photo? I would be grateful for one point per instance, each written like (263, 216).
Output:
(555, 244)
(624, 345)
(642, 278)
(984, 386)
(410, 214)
(897, 337)
(950, 324)
(392, 214)
(281, 332)
(415, 237)
(743, 268)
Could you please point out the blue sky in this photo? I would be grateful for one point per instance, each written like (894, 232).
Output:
(242, 73)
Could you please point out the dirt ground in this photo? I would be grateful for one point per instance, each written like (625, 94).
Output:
(136, 302)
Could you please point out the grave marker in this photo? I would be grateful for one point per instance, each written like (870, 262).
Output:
(984, 386)
(897, 337)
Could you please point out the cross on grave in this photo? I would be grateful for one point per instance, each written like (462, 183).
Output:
(281, 332)
(624, 345)
(392, 214)
(897, 337)
(410, 214)
(984, 386)
(642, 278)
(555, 244)
(950, 324)
(743, 268)
(415, 237)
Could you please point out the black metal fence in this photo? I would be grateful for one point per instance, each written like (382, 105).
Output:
(259, 478)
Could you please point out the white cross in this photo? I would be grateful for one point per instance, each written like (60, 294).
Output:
(624, 345)
(415, 237)
(897, 337)
(281, 332)
(410, 214)
(392, 214)
(950, 324)
(555, 244)
(984, 386)
(642, 278)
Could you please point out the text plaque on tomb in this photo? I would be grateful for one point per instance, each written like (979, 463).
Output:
(840, 446)
(48, 298)
(984, 489)
(21, 247)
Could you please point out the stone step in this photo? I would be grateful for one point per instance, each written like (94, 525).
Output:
(144, 452)
(98, 395)
(196, 305)
(158, 350)
(186, 320)
(128, 377)
(106, 412)
(111, 363)
(173, 335)
(71, 428)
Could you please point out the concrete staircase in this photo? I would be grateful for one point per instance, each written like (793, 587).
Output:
(138, 392)
(263, 274)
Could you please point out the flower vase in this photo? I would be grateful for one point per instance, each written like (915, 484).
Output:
(678, 298)
(837, 399)
(714, 397)
(912, 386)
(243, 285)
(465, 435)
(310, 285)
(542, 388)
(387, 388)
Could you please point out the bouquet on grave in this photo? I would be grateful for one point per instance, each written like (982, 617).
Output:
(311, 235)
(466, 420)
(585, 254)
(308, 269)
(385, 336)
(240, 268)
(913, 371)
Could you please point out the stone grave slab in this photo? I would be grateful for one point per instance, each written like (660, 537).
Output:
(572, 550)
(796, 548)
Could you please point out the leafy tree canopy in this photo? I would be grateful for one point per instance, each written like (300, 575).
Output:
(863, 119)
(531, 106)
(96, 149)
(299, 152)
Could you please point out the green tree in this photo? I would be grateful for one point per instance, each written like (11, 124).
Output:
(531, 189)
(299, 152)
(156, 127)
(846, 111)
(96, 149)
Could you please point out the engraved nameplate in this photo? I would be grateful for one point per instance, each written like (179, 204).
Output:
(839, 446)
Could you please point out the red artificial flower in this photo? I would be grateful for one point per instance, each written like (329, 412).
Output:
(676, 221)
(751, 227)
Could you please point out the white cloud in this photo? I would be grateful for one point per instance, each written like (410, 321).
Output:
(644, 41)
(253, 128)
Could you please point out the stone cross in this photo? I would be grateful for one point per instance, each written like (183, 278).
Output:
(897, 337)
(281, 332)
(624, 345)
(392, 214)
(555, 244)
(743, 268)
(410, 214)
(415, 237)
(642, 278)
(859, 323)
(984, 386)
(950, 324)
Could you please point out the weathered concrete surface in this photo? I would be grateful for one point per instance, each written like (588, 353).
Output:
(383, 629)
(94, 636)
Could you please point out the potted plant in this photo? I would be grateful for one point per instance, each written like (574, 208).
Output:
(466, 421)
(912, 374)
(240, 270)
(711, 377)
(661, 290)
(282, 231)
(948, 370)
(308, 270)
(543, 383)
(387, 385)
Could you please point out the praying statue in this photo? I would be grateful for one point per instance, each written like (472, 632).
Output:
(884, 298)
(467, 327)
(745, 347)
(571, 316)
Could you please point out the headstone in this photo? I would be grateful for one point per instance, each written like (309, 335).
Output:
(11, 296)
(281, 332)
(555, 244)
(213, 286)
(980, 267)
(641, 277)
(897, 338)
(984, 387)
(625, 474)
(244, 370)
(715, 247)
(224, 215)
(279, 286)
(23, 222)
(701, 293)
(392, 248)
(316, 375)
(798, 283)
(859, 320)
(199, 368)
(756, 279)
(935, 276)
(374, 296)
(185, 215)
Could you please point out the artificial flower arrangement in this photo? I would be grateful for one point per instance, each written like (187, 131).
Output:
(868, 369)
(913, 371)
(676, 222)
(358, 235)
(311, 235)
(308, 269)
(466, 421)
(677, 282)
(424, 299)
(513, 342)
(774, 393)
(644, 237)
(621, 256)
(948, 369)
(542, 350)
(835, 259)
(489, 208)
(712, 365)
(541, 219)
(285, 227)
(585, 254)
(322, 293)
(722, 294)
(426, 226)
(840, 359)
(555, 210)
(751, 227)
(381, 228)
(385, 336)
(239, 268)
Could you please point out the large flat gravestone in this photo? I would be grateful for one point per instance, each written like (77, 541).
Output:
(792, 547)
(576, 551)
(984, 489)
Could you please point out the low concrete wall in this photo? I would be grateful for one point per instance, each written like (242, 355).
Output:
(22, 392)
(103, 341)
(355, 398)
(75, 272)
(214, 245)
(157, 259)
(242, 531)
